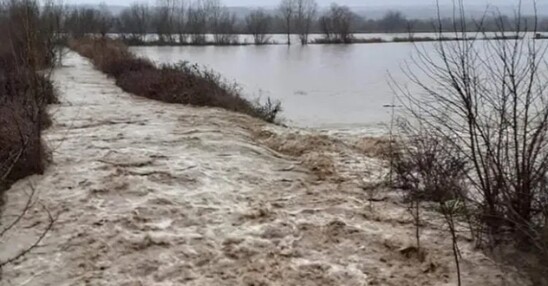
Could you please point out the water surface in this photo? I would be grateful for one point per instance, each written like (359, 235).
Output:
(319, 85)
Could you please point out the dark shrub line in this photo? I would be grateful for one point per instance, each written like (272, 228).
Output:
(130, 41)
(410, 39)
(320, 41)
(180, 83)
(323, 41)
(27, 48)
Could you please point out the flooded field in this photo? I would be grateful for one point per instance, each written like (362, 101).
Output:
(323, 86)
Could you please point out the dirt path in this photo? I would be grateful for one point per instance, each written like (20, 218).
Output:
(148, 193)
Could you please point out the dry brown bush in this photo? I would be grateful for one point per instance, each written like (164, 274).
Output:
(181, 83)
(478, 121)
(26, 48)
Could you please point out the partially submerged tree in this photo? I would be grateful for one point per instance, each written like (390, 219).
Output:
(197, 22)
(336, 24)
(83, 21)
(52, 20)
(258, 24)
(180, 20)
(487, 101)
(226, 32)
(164, 20)
(134, 21)
(287, 13)
(221, 22)
(305, 17)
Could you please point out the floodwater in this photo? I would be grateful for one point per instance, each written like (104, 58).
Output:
(322, 86)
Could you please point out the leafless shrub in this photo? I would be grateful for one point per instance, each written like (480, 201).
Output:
(197, 23)
(164, 20)
(485, 102)
(134, 21)
(257, 24)
(89, 21)
(305, 17)
(286, 10)
(182, 83)
(29, 35)
(222, 23)
(336, 24)
(429, 169)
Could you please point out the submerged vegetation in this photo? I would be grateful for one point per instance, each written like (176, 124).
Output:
(182, 83)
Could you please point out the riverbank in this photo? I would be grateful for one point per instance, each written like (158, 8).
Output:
(25, 91)
(179, 83)
(150, 193)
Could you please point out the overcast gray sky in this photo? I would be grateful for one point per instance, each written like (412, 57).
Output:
(321, 2)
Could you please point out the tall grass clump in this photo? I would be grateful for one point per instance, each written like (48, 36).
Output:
(176, 83)
(27, 50)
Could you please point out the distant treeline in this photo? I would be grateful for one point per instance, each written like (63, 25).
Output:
(189, 21)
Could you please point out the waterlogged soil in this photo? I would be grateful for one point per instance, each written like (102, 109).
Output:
(148, 193)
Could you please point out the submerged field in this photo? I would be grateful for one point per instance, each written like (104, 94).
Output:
(322, 86)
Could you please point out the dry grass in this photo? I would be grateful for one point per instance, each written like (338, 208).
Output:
(180, 83)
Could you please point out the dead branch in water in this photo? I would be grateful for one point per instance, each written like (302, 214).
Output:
(51, 221)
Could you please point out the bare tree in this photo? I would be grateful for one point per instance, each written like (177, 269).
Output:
(164, 20)
(227, 32)
(326, 26)
(26, 51)
(336, 24)
(135, 21)
(181, 13)
(306, 11)
(52, 23)
(197, 22)
(214, 12)
(258, 24)
(105, 20)
(221, 22)
(287, 13)
(487, 101)
(83, 21)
